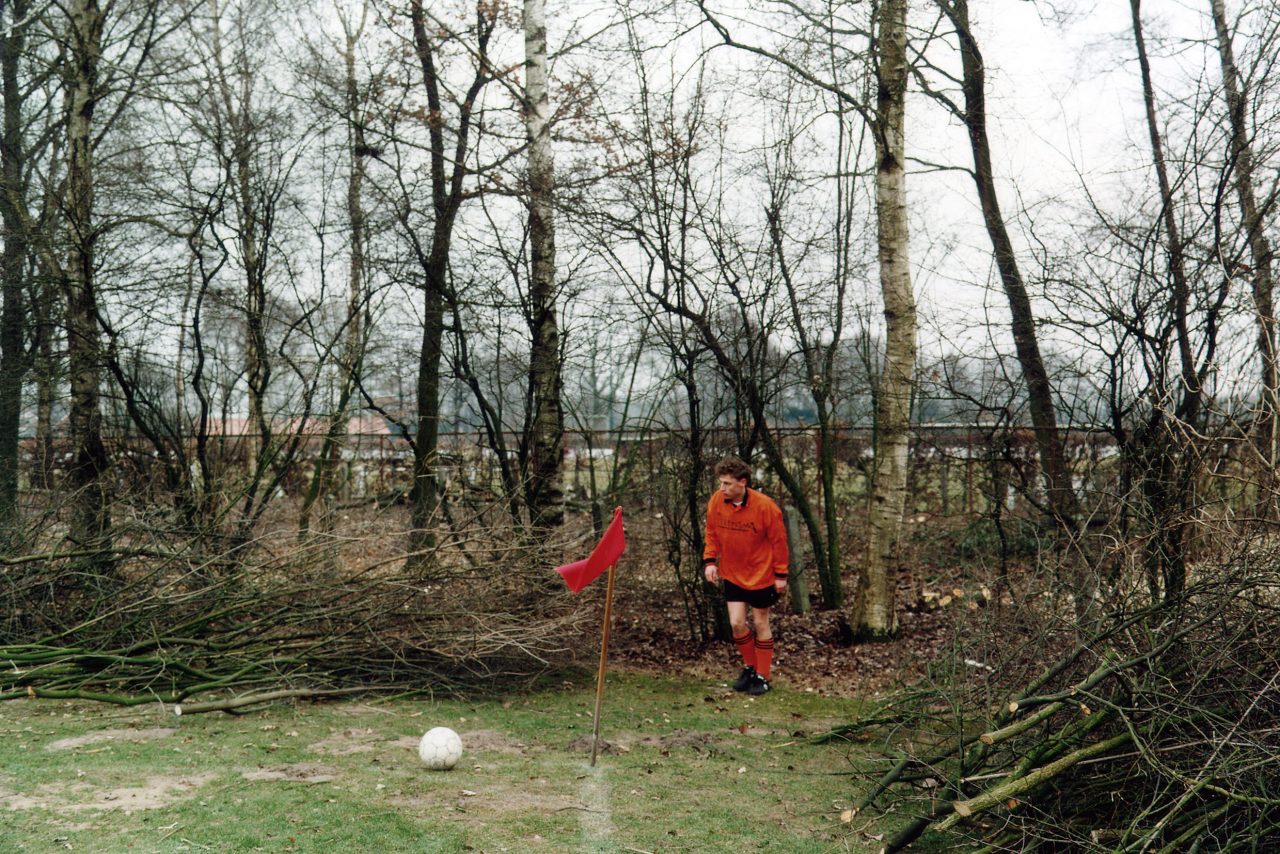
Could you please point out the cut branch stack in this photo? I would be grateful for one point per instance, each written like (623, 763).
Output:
(1159, 733)
(234, 634)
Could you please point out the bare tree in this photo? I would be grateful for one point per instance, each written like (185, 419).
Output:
(91, 519)
(731, 309)
(818, 308)
(248, 127)
(872, 614)
(1166, 442)
(1062, 500)
(358, 151)
(702, 306)
(1262, 256)
(448, 171)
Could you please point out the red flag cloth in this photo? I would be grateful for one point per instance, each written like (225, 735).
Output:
(611, 546)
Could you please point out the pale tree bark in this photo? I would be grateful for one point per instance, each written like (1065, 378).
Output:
(90, 519)
(352, 354)
(545, 489)
(13, 262)
(1260, 251)
(874, 614)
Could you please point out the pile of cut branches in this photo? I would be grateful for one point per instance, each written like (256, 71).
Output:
(231, 631)
(1159, 733)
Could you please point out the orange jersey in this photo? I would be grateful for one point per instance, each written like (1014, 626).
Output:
(749, 541)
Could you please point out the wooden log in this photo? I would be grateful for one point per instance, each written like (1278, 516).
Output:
(1005, 733)
(1013, 789)
(256, 699)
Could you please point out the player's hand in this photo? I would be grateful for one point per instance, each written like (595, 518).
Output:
(780, 584)
(711, 573)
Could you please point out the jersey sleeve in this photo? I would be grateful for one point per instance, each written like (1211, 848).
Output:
(710, 540)
(778, 541)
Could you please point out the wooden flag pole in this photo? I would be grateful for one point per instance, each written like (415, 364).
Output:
(604, 653)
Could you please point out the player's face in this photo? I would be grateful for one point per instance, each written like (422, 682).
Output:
(731, 488)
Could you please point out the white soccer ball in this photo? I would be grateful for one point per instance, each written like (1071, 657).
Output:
(440, 748)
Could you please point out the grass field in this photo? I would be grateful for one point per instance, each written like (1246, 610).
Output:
(690, 766)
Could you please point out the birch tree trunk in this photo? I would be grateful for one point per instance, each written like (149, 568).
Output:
(874, 616)
(1261, 255)
(546, 414)
(90, 518)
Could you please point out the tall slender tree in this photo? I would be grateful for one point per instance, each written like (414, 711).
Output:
(1262, 256)
(818, 312)
(14, 261)
(351, 355)
(1062, 501)
(546, 413)
(874, 614)
(243, 124)
(449, 171)
(87, 477)
(1168, 459)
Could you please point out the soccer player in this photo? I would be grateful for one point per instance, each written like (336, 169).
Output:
(746, 547)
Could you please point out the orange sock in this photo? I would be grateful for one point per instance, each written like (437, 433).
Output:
(764, 656)
(747, 647)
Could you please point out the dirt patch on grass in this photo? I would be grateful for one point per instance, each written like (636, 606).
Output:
(302, 772)
(584, 743)
(678, 740)
(491, 741)
(408, 742)
(154, 793)
(17, 801)
(110, 735)
(348, 742)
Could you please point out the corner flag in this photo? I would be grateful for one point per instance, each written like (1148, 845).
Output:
(611, 546)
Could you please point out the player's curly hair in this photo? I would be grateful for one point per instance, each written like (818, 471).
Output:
(735, 468)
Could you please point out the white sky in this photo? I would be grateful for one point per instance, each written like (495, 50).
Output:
(1063, 100)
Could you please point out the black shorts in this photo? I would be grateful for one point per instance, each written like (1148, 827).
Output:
(765, 597)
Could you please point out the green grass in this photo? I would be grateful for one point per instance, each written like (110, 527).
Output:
(692, 767)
